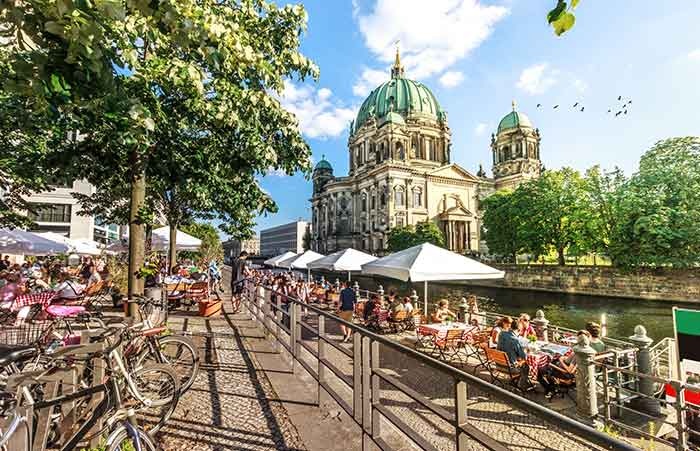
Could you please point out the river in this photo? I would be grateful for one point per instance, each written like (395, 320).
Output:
(568, 310)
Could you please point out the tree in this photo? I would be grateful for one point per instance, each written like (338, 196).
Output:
(501, 224)
(602, 191)
(112, 69)
(659, 210)
(400, 238)
(554, 213)
(211, 248)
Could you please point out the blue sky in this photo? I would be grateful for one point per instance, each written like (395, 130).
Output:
(478, 56)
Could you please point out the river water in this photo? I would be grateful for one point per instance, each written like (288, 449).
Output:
(568, 310)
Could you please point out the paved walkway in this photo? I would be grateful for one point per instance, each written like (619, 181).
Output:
(231, 405)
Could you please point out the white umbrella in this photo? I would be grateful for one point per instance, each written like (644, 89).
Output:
(274, 260)
(77, 246)
(21, 242)
(346, 260)
(301, 261)
(160, 241)
(427, 262)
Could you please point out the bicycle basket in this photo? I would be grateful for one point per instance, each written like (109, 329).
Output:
(24, 333)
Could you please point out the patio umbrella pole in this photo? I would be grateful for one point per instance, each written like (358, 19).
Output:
(425, 297)
(349, 276)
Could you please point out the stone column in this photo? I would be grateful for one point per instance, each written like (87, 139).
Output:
(540, 323)
(645, 386)
(414, 299)
(380, 291)
(586, 396)
(462, 314)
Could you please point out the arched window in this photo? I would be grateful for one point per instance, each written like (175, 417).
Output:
(380, 157)
(417, 197)
(382, 197)
(400, 152)
(399, 221)
(399, 197)
(364, 201)
(429, 151)
(373, 201)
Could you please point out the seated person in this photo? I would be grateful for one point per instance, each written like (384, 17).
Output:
(396, 306)
(508, 343)
(525, 329)
(596, 343)
(408, 305)
(370, 306)
(68, 289)
(443, 312)
(562, 368)
(95, 276)
(10, 290)
(495, 332)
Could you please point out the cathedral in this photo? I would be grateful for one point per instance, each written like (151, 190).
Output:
(401, 172)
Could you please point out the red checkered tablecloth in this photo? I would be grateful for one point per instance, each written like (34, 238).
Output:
(535, 361)
(44, 298)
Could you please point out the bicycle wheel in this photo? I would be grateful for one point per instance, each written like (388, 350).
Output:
(180, 354)
(160, 385)
(121, 440)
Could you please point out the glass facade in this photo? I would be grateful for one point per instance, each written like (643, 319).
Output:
(50, 212)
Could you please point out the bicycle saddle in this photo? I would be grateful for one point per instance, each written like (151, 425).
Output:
(12, 354)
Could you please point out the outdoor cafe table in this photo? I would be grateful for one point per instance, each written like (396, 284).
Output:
(440, 329)
(540, 353)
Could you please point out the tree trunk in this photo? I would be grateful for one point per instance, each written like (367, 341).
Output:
(136, 235)
(562, 260)
(172, 249)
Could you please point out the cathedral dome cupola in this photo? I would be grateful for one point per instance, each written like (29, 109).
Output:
(399, 96)
(514, 120)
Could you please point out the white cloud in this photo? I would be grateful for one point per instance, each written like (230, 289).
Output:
(452, 78)
(537, 78)
(370, 79)
(580, 85)
(275, 172)
(433, 35)
(481, 128)
(319, 114)
(694, 55)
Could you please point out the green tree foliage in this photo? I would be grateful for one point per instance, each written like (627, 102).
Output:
(400, 238)
(659, 211)
(501, 224)
(561, 17)
(160, 90)
(211, 248)
(603, 192)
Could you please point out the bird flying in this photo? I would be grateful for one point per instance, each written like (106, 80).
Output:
(539, 105)
(583, 108)
(619, 97)
(618, 113)
(575, 104)
(555, 107)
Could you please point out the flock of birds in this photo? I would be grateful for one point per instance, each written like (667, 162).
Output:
(620, 108)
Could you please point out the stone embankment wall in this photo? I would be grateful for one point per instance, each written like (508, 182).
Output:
(657, 284)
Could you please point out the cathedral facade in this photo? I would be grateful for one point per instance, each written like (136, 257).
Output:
(401, 173)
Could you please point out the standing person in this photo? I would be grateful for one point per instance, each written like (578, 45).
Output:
(348, 298)
(239, 271)
(5, 263)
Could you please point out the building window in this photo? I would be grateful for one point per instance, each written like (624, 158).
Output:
(399, 221)
(399, 198)
(382, 198)
(364, 202)
(373, 201)
(50, 212)
(417, 197)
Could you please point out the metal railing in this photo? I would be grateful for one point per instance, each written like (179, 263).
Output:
(301, 339)
(630, 392)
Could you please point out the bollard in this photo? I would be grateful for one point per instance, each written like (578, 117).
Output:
(356, 289)
(645, 385)
(541, 323)
(462, 313)
(380, 291)
(337, 284)
(586, 396)
(414, 299)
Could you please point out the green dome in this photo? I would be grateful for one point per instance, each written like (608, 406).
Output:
(514, 119)
(398, 97)
(323, 164)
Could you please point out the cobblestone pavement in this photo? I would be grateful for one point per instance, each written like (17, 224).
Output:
(230, 406)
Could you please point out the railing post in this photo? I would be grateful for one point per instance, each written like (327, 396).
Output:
(266, 311)
(337, 284)
(376, 392)
(357, 376)
(541, 323)
(291, 309)
(586, 396)
(682, 443)
(462, 313)
(461, 414)
(278, 317)
(647, 403)
(414, 300)
(380, 291)
(356, 289)
(606, 394)
(618, 386)
(321, 346)
(298, 334)
(366, 393)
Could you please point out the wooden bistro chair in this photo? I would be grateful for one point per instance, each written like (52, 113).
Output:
(398, 321)
(175, 293)
(500, 369)
(478, 344)
(449, 346)
(196, 292)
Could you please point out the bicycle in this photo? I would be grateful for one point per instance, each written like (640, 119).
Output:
(125, 434)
